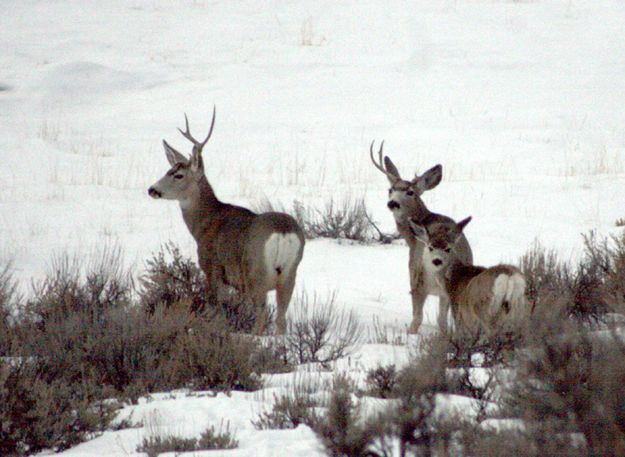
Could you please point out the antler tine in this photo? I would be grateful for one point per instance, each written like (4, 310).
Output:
(187, 133)
(379, 164)
(210, 131)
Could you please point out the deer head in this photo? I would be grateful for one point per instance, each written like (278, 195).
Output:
(181, 180)
(405, 196)
(440, 239)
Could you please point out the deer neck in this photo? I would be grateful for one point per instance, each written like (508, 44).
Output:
(402, 220)
(458, 276)
(199, 207)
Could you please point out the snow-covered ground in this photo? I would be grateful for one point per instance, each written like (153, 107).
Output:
(523, 103)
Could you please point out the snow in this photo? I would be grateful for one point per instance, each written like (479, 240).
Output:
(522, 103)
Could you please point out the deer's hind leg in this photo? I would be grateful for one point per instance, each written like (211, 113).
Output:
(284, 292)
(258, 300)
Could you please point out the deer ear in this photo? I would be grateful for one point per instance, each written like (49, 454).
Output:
(173, 156)
(391, 168)
(196, 161)
(419, 231)
(463, 223)
(430, 179)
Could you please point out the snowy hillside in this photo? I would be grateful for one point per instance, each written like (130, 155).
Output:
(522, 102)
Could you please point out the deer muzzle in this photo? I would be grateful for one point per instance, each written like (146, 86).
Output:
(152, 192)
(392, 204)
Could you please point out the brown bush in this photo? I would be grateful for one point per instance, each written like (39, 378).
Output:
(8, 300)
(288, 412)
(588, 289)
(74, 286)
(573, 380)
(319, 332)
(209, 356)
(342, 429)
(37, 414)
(172, 279)
(382, 381)
(347, 219)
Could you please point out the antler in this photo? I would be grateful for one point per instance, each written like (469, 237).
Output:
(380, 163)
(197, 145)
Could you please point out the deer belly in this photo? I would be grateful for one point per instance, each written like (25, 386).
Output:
(282, 251)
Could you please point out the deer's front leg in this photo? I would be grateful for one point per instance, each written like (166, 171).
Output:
(443, 313)
(418, 293)
(212, 278)
(418, 299)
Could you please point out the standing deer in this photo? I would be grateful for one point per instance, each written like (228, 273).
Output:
(483, 300)
(254, 253)
(405, 203)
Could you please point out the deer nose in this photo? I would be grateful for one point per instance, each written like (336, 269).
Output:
(152, 192)
(437, 262)
(392, 205)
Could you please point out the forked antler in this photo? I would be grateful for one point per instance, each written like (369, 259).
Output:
(197, 145)
(380, 163)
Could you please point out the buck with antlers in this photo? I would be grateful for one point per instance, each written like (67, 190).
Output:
(405, 203)
(483, 300)
(254, 253)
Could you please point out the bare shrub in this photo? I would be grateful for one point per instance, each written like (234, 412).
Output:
(572, 381)
(288, 411)
(75, 286)
(86, 331)
(382, 381)
(346, 219)
(608, 257)
(588, 289)
(526, 441)
(8, 299)
(343, 431)
(210, 439)
(209, 356)
(271, 356)
(155, 445)
(620, 222)
(37, 414)
(129, 353)
(321, 333)
(464, 348)
(380, 333)
(413, 418)
(172, 279)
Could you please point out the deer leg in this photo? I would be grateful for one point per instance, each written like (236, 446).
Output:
(258, 301)
(418, 299)
(212, 279)
(284, 291)
(443, 313)
(418, 292)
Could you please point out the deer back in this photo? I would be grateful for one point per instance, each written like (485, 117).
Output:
(241, 246)
(476, 296)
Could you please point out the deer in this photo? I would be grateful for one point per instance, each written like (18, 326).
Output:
(484, 300)
(252, 253)
(405, 203)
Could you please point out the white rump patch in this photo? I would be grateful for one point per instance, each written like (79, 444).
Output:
(281, 250)
(509, 289)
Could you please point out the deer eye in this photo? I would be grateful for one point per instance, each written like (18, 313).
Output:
(178, 176)
(410, 193)
(447, 249)
(431, 248)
